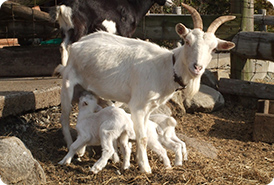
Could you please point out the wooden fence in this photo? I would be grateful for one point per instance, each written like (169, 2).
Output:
(162, 26)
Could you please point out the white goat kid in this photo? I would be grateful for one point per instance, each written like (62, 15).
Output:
(166, 136)
(111, 125)
(139, 73)
(104, 128)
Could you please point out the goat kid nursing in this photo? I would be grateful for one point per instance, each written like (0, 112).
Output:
(113, 125)
(106, 127)
(139, 73)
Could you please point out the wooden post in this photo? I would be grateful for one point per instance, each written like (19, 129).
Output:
(262, 26)
(235, 6)
(241, 67)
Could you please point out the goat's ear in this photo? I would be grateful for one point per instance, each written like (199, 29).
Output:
(224, 45)
(181, 30)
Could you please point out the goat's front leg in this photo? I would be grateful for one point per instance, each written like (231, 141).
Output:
(66, 98)
(140, 127)
(74, 147)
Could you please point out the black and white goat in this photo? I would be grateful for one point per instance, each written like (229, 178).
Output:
(78, 18)
(139, 73)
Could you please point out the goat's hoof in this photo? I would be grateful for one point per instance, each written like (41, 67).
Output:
(146, 169)
(126, 166)
(116, 159)
(178, 163)
(78, 159)
(168, 167)
(64, 162)
(61, 162)
(94, 170)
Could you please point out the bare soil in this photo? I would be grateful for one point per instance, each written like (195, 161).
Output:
(238, 159)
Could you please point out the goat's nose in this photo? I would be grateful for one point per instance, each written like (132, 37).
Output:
(197, 67)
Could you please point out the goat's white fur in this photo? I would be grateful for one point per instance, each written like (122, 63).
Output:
(114, 125)
(136, 72)
(110, 26)
(101, 128)
(166, 135)
(63, 16)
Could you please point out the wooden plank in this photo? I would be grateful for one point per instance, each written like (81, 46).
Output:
(246, 88)
(264, 20)
(29, 61)
(263, 129)
(162, 26)
(27, 29)
(265, 106)
(254, 45)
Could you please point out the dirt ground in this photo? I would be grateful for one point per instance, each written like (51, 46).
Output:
(227, 133)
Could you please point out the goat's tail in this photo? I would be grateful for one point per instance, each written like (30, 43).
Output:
(63, 15)
(59, 71)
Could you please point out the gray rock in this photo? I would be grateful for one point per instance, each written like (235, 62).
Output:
(206, 100)
(209, 79)
(17, 165)
(203, 147)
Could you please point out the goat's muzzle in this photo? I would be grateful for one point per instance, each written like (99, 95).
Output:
(196, 70)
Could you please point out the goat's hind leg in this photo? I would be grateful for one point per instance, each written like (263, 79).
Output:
(126, 150)
(108, 151)
(161, 151)
(183, 145)
(176, 148)
(115, 157)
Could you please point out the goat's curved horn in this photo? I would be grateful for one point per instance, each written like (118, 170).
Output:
(218, 22)
(197, 20)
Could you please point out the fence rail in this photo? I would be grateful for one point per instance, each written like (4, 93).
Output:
(262, 19)
(162, 26)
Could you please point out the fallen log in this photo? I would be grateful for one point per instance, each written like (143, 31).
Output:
(246, 88)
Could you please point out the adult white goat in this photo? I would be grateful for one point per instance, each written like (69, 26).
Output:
(139, 73)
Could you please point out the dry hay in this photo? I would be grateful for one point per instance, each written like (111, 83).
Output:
(220, 146)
